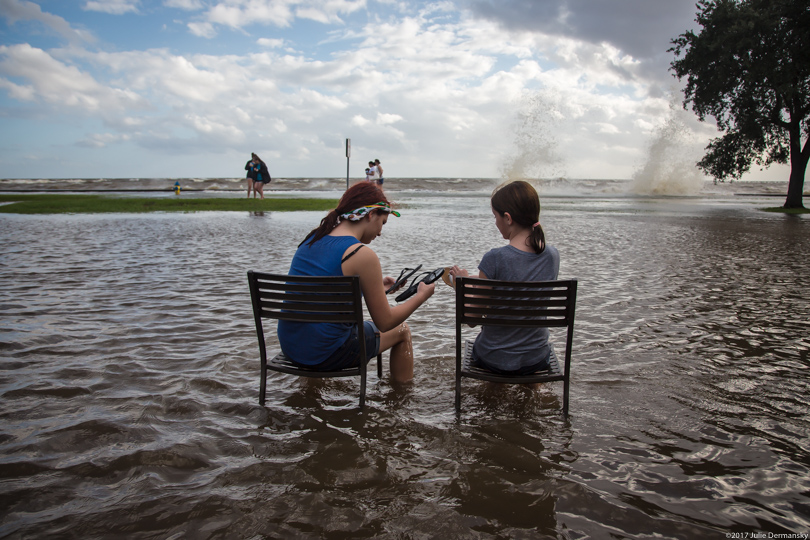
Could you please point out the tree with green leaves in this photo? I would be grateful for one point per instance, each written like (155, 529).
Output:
(749, 68)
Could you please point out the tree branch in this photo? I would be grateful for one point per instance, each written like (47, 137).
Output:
(776, 117)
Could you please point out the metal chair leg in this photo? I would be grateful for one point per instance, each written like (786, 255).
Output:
(263, 386)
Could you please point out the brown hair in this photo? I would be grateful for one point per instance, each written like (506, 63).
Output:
(519, 199)
(359, 195)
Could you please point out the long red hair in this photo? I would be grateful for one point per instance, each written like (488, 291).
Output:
(359, 195)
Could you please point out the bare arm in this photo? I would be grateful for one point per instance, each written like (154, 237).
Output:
(366, 265)
(456, 271)
(460, 272)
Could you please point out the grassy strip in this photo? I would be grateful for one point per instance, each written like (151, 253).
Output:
(97, 204)
(779, 209)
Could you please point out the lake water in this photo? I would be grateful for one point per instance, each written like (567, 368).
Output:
(129, 380)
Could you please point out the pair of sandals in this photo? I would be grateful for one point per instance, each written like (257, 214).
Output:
(426, 278)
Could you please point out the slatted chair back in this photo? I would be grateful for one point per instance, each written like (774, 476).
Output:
(526, 304)
(314, 299)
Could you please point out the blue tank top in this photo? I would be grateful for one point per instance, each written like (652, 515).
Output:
(312, 343)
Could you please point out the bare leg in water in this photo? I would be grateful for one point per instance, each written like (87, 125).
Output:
(399, 341)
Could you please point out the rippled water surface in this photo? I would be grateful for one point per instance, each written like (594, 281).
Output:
(129, 383)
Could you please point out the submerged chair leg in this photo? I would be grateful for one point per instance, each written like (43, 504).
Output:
(362, 383)
(565, 397)
(458, 393)
(263, 384)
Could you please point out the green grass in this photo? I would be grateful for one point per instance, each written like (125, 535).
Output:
(781, 210)
(96, 204)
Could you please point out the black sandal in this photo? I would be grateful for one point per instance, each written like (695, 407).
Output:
(429, 278)
(403, 278)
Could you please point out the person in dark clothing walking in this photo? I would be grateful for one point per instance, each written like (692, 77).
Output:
(262, 176)
(251, 173)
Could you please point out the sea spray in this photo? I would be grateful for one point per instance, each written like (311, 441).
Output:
(670, 165)
(535, 152)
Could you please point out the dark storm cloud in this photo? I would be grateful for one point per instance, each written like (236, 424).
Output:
(641, 28)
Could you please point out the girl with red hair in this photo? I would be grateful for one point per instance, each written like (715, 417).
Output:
(338, 247)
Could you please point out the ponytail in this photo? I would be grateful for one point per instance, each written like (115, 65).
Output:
(327, 225)
(537, 239)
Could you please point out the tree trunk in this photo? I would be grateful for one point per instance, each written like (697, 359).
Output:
(798, 165)
(795, 187)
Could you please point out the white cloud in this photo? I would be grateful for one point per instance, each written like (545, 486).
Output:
(239, 14)
(279, 125)
(18, 92)
(60, 84)
(383, 118)
(188, 5)
(208, 126)
(174, 80)
(103, 140)
(20, 10)
(270, 43)
(113, 7)
(202, 29)
(610, 129)
(329, 11)
(436, 84)
(360, 120)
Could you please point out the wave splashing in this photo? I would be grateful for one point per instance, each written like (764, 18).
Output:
(670, 166)
(536, 154)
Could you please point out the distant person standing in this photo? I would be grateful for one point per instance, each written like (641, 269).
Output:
(379, 168)
(262, 176)
(251, 173)
(371, 171)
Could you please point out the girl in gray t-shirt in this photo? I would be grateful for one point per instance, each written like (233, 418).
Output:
(516, 208)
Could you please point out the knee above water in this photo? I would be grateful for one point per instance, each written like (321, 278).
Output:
(404, 331)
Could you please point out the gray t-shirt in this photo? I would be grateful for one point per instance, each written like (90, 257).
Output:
(506, 348)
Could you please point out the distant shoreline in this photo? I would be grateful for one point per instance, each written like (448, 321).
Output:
(317, 187)
(145, 190)
(197, 190)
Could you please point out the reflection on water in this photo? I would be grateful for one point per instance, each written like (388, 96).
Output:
(129, 383)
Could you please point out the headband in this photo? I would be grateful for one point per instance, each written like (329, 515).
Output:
(360, 213)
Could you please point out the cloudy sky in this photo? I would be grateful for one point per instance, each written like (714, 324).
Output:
(448, 88)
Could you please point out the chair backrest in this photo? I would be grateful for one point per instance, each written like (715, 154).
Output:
(319, 299)
(334, 299)
(517, 303)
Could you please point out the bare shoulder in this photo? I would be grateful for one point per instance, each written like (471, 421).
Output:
(359, 257)
(358, 250)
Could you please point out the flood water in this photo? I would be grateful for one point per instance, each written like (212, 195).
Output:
(129, 381)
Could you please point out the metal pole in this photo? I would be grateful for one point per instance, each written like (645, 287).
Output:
(348, 155)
